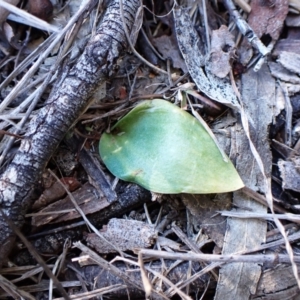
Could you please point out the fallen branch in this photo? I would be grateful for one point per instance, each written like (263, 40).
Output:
(47, 129)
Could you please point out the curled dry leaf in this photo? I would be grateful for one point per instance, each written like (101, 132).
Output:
(221, 53)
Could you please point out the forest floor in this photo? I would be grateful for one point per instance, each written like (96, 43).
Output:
(81, 232)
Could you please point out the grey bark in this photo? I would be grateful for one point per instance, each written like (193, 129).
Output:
(239, 280)
(276, 284)
(47, 129)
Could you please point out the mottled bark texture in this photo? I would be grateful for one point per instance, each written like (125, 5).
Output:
(47, 129)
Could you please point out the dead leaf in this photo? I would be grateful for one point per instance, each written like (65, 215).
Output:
(203, 214)
(239, 281)
(166, 46)
(291, 61)
(216, 88)
(221, 53)
(125, 234)
(289, 172)
(280, 72)
(267, 17)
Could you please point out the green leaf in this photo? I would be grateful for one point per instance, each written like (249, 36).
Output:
(166, 150)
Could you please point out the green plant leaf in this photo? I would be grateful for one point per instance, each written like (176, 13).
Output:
(166, 150)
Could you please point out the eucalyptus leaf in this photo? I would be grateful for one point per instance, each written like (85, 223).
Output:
(166, 150)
